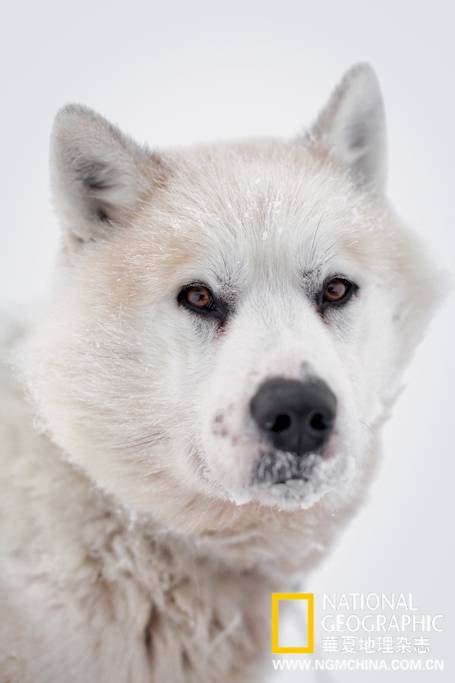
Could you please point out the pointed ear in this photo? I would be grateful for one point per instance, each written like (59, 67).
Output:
(98, 174)
(352, 130)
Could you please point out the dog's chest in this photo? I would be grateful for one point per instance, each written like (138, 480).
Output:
(191, 620)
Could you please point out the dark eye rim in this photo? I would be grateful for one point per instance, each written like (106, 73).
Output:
(351, 289)
(216, 310)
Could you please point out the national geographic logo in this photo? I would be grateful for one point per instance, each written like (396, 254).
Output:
(306, 601)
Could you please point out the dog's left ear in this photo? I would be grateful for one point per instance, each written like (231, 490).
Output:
(352, 130)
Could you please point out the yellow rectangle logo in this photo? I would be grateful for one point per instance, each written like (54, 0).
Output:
(281, 649)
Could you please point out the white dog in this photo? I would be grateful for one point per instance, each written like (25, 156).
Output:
(229, 328)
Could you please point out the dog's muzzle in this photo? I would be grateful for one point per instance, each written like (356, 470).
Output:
(294, 417)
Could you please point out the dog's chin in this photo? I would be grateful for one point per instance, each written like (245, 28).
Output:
(290, 494)
(282, 481)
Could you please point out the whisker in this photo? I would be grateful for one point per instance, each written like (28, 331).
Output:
(143, 442)
(313, 243)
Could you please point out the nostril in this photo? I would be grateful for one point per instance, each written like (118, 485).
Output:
(319, 422)
(279, 424)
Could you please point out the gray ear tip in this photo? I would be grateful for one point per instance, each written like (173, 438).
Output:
(363, 76)
(362, 68)
(66, 122)
(73, 108)
(76, 124)
(72, 115)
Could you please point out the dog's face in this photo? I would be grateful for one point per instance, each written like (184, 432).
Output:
(231, 321)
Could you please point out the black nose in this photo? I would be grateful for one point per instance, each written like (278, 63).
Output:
(297, 417)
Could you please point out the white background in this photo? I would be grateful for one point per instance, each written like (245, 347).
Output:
(180, 72)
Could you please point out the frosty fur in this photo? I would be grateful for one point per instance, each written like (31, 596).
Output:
(133, 545)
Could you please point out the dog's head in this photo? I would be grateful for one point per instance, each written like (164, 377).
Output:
(230, 320)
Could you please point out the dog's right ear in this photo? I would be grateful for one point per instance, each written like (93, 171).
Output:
(98, 174)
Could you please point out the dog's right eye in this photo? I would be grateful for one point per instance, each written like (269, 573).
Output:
(197, 298)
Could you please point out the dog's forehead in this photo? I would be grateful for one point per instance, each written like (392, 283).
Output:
(251, 186)
(228, 213)
(258, 202)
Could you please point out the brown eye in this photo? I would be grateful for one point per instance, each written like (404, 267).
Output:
(200, 300)
(198, 296)
(337, 291)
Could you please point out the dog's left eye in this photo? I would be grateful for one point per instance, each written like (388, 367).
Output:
(336, 291)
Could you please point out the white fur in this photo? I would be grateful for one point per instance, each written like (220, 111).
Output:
(135, 545)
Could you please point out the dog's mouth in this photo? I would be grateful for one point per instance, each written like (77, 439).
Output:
(278, 467)
(289, 481)
(283, 479)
